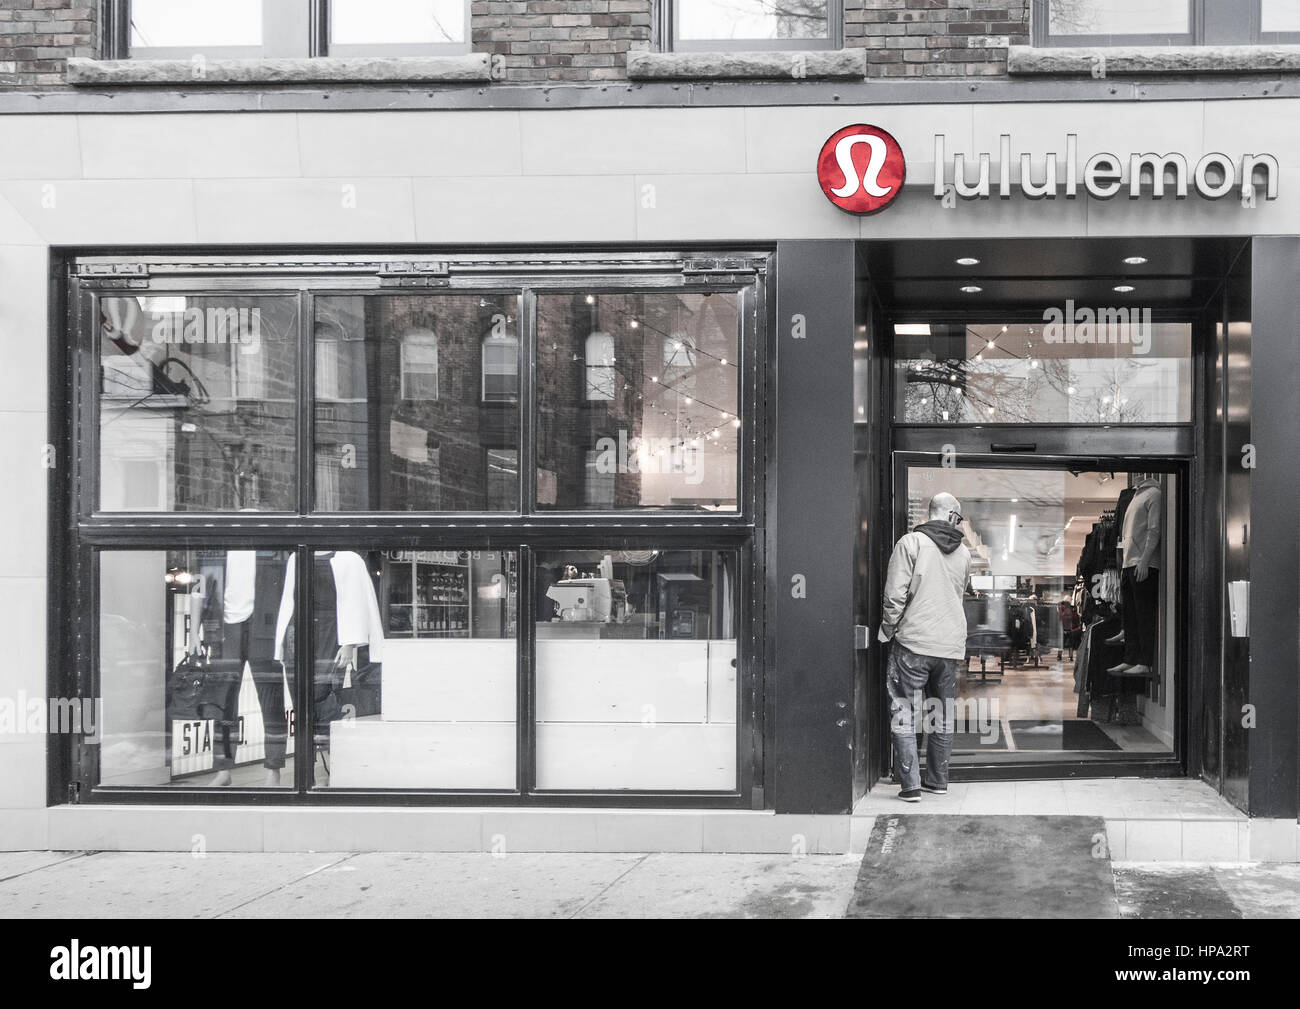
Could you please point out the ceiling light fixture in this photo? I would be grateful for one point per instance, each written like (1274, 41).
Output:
(1135, 260)
(1123, 288)
(968, 261)
(971, 289)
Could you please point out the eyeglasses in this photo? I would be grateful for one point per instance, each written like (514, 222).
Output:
(956, 518)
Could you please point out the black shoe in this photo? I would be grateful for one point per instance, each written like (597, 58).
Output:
(934, 789)
(910, 795)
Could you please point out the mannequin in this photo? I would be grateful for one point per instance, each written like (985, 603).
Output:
(253, 589)
(1140, 541)
(346, 619)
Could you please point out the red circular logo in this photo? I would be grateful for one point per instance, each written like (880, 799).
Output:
(861, 169)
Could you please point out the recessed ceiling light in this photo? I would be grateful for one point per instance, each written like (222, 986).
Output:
(1135, 260)
(971, 289)
(1123, 288)
(968, 261)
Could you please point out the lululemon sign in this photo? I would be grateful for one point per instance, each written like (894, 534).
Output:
(861, 169)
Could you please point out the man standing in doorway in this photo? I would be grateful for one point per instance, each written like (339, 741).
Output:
(924, 617)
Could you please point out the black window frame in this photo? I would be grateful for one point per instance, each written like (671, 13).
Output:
(1211, 22)
(86, 533)
(667, 41)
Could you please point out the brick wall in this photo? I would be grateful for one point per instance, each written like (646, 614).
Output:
(936, 38)
(576, 41)
(37, 36)
(562, 40)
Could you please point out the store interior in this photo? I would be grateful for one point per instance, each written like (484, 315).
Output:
(1046, 608)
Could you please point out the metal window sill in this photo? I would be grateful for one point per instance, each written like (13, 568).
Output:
(201, 72)
(1103, 61)
(796, 64)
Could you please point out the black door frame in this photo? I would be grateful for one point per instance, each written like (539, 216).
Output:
(1149, 767)
(1176, 447)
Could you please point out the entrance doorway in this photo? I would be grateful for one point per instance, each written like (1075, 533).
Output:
(1048, 386)
(1070, 659)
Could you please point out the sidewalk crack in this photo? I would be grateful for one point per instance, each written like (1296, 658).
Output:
(286, 885)
(611, 884)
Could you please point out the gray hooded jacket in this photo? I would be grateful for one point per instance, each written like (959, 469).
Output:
(927, 578)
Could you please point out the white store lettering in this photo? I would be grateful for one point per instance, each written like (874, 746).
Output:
(1104, 174)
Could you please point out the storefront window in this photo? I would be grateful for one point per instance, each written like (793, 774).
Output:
(638, 401)
(1101, 370)
(1072, 598)
(198, 403)
(636, 670)
(403, 411)
(388, 423)
(193, 692)
(415, 668)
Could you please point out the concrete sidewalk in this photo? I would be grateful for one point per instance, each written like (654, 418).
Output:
(239, 885)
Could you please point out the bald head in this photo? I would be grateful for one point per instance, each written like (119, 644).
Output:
(945, 508)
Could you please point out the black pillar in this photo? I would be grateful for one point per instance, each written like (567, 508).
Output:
(1274, 528)
(812, 526)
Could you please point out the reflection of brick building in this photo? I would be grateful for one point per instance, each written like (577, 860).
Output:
(402, 422)
(206, 422)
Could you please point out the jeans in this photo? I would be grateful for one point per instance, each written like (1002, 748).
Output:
(1141, 603)
(908, 675)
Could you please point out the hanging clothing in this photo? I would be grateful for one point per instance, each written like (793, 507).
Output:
(1140, 540)
(354, 609)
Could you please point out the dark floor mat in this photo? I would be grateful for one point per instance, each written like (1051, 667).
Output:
(919, 866)
(973, 742)
(1067, 735)
(1173, 892)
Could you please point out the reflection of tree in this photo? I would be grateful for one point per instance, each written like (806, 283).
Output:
(1025, 390)
(1073, 17)
(793, 18)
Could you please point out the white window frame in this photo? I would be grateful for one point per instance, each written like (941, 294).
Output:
(428, 339)
(509, 341)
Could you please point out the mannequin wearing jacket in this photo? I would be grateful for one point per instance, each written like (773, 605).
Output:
(1140, 541)
(346, 619)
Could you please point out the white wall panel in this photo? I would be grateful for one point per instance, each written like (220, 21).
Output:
(189, 146)
(320, 211)
(439, 680)
(373, 754)
(612, 142)
(364, 144)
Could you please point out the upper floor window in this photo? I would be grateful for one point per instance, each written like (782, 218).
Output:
(398, 27)
(752, 24)
(253, 29)
(1165, 22)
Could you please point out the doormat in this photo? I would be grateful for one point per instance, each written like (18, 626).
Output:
(919, 866)
(1067, 735)
(973, 742)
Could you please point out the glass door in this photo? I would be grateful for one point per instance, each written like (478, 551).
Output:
(1073, 610)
